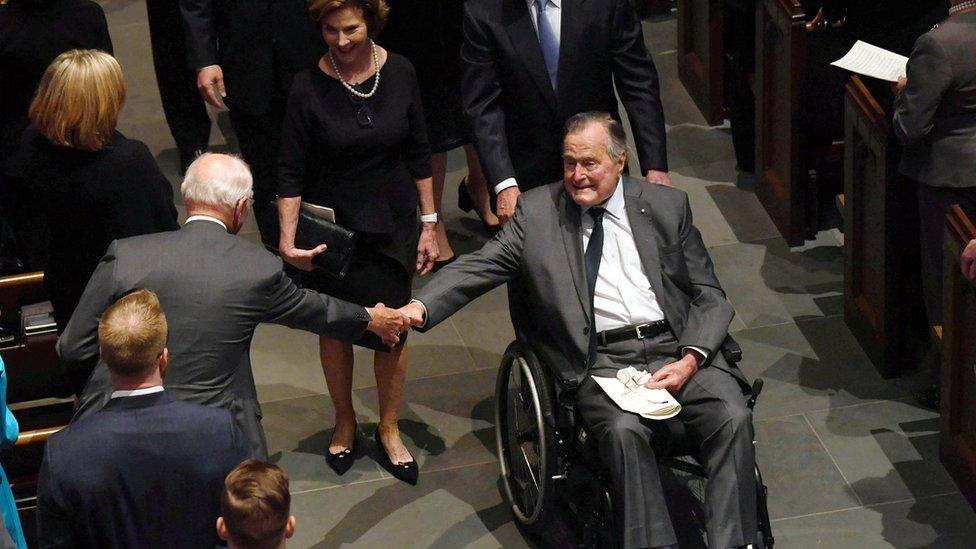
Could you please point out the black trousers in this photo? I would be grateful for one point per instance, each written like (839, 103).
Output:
(713, 413)
(933, 205)
(185, 112)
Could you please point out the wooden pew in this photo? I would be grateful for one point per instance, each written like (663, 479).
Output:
(882, 285)
(781, 45)
(957, 447)
(701, 56)
(35, 378)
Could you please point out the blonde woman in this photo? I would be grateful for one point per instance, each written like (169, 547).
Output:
(97, 185)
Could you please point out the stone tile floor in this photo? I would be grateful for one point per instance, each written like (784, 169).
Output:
(850, 461)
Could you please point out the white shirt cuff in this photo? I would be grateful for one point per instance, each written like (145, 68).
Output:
(506, 183)
(424, 307)
(699, 350)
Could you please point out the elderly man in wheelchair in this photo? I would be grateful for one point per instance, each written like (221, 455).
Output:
(606, 271)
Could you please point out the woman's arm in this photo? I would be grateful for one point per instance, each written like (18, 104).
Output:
(929, 76)
(417, 157)
(292, 159)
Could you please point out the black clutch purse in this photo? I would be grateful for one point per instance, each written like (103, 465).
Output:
(313, 231)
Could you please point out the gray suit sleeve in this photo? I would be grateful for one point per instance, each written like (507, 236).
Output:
(473, 274)
(79, 340)
(929, 76)
(710, 313)
(312, 311)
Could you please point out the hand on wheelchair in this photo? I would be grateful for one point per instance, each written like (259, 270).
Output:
(673, 376)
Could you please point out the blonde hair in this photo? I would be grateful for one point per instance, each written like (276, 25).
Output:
(374, 12)
(78, 100)
(256, 504)
(132, 334)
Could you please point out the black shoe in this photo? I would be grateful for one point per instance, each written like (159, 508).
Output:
(465, 204)
(342, 461)
(440, 264)
(187, 158)
(407, 472)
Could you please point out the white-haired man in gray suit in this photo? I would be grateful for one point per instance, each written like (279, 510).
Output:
(612, 273)
(215, 288)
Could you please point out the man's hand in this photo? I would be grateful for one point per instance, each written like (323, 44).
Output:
(659, 177)
(301, 259)
(505, 204)
(674, 376)
(414, 312)
(210, 81)
(387, 323)
(899, 86)
(969, 261)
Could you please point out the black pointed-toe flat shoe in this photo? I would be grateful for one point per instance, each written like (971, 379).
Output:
(341, 462)
(407, 472)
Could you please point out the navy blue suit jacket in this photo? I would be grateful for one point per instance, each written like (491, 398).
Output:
(145, 471)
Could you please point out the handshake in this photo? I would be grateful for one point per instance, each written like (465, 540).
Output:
(390, 324)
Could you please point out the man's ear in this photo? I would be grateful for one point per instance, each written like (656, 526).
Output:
(164, 362)
(222, 529)
(240, 214)
(290, 527)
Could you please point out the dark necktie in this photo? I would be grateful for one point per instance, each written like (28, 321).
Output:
(594, 252)
(548, 41)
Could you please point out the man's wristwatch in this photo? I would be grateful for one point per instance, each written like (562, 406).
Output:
(428, 218)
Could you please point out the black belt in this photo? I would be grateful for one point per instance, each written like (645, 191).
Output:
(636, 331)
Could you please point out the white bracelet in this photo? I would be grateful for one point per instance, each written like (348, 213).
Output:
(428, 218)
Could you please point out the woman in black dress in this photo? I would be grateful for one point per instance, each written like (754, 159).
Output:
(354, 140)
(97, 184)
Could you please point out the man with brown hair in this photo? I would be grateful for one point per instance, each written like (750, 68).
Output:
(146, 470)
(255, 507)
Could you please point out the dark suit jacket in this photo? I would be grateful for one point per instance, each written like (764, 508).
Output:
(259, 44)
(146, 471)
(215, 289)
(541, 250)
(517, 119)
(935, 116)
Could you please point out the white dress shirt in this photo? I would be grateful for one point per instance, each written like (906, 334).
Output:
(205, 218)
(138, 392)
(554, 14)
(623, 294)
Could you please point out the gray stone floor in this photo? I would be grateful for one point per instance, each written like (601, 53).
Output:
(850, 461)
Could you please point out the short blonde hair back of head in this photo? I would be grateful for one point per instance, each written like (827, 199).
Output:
(132, 334)
(78, 100)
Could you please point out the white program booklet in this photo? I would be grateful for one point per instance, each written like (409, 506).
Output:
(320, 212)
(649, 403)
(874, 62)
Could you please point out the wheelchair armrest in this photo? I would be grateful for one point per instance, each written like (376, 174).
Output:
(731, 350)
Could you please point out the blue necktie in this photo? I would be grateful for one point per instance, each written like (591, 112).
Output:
(548, 41)
(594, 252)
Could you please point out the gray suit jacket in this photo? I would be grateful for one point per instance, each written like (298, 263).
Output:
(935, 116)
(215, 288)
(540, 250)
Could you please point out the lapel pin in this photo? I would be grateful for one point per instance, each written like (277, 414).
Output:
(643, 210)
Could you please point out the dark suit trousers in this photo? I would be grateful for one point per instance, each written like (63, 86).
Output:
(185, 112)
(716, 418)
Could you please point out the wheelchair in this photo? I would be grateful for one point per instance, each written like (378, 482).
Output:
(549, 462)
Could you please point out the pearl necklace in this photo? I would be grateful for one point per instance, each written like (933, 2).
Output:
(963, 6)
(348, 86)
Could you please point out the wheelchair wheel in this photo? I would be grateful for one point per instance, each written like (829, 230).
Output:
(526, 443)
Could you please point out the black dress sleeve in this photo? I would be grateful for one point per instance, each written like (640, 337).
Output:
(416, 153)
(165, 209)
(295, 136)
